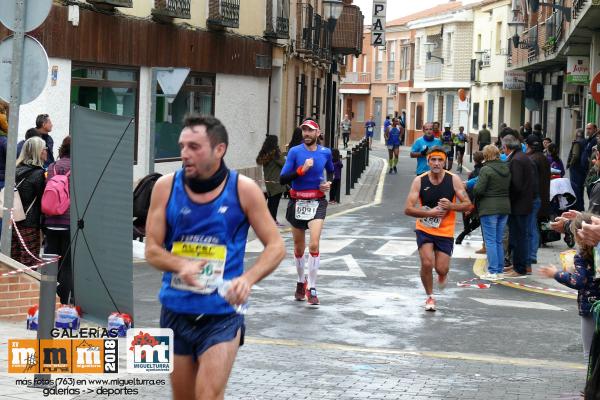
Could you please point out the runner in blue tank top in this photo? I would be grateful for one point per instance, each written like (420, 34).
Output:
(196, 233)
(304, 168)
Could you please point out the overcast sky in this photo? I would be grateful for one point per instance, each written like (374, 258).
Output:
(399, 8)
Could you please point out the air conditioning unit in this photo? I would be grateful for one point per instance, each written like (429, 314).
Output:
(571, 100)
(391, 89)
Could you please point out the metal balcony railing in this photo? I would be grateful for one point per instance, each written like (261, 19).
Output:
(433, 70)
(112, 3)
(348, 33)
(223, 14)
(325, 50)
(357, 77)
(172, 8)
(486, 58)
(317, 33)
(278, 19)
(304, 28)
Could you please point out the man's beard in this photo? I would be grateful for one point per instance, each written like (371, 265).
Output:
(309, 141)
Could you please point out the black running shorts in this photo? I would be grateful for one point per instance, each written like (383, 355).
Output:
(290, 214)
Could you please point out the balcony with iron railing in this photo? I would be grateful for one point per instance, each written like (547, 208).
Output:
(554, 33)
(223, 14)
(172, 9)
(348, 33)
(317, 35)
(278, 19)
(304, 28)
(433, 70)
(112, 3)
(486, 58)
(357, 78)
(325, 49)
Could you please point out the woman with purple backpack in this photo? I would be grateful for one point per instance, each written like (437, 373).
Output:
(57, 229)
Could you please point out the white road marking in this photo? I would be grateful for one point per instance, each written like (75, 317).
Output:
(467, 250)
(397, 248)
(352, 270)
(518, 304)
(327, 246)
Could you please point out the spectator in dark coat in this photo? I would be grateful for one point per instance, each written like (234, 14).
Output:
(521, 204)
(541, 193)
(577, 172)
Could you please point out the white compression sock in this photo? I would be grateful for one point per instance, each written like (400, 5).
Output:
(300, 267)
(313, 267)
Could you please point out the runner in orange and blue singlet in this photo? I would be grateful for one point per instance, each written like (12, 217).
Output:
(432, 200)
(304, 169)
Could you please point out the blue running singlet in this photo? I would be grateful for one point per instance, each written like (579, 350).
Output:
(214, 231)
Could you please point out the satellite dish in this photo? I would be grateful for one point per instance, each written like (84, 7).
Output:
(36, 12)
(35, 69)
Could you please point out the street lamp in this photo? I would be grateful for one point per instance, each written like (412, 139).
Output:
(429, 46)
(479, 57)
(518, 27)
(332, 10)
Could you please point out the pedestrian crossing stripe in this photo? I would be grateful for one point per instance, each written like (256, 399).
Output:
(352, 269)
(326, 246)
(518, 304)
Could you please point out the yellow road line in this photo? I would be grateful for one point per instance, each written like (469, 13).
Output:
(528, 362)
(480, 268)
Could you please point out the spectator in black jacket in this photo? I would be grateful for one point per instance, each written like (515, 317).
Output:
(31, 182)
(541, 194)
(521, 205)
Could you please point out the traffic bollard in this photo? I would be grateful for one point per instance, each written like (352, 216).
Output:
(46, 310)
(354, 167)
(348, 171)
(367, 156)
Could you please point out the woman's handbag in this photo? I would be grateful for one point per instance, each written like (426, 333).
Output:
(18, 212)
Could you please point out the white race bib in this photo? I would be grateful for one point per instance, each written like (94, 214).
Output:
(306, 209)
(215, 256)
(431, 222)
(370, 129)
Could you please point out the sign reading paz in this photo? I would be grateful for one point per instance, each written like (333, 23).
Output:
(378, 25)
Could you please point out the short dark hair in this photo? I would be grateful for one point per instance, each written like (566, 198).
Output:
(215, 130)
(483, 126)
(31, 132)
(65, 148)
(40, 120)
(537, 127)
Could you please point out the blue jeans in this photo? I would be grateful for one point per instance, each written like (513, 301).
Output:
(493, 232)
(533, 234)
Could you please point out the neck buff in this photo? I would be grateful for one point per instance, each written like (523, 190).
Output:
(210, 184)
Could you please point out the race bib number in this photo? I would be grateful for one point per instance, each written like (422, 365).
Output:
(370, 129)
(306, 209)
(214, 255)
(431, 222)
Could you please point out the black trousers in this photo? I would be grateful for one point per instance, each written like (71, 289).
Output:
(346, 138)
(273, 204)
(334, 194)
(519, 242)
(57, 242)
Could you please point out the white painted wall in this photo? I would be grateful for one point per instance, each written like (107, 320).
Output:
(241, 103)
(54, 101)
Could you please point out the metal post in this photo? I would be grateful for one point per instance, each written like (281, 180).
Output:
(354, 167)
(152, 136)
(348, 172)
(13, 124)
(367, 157)
(470, 149)
(47, 309)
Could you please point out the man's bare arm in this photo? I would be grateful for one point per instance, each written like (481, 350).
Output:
(156, 228)
(253, 204)
(461, 194)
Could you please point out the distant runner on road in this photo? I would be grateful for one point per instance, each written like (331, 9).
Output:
(432, 201)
